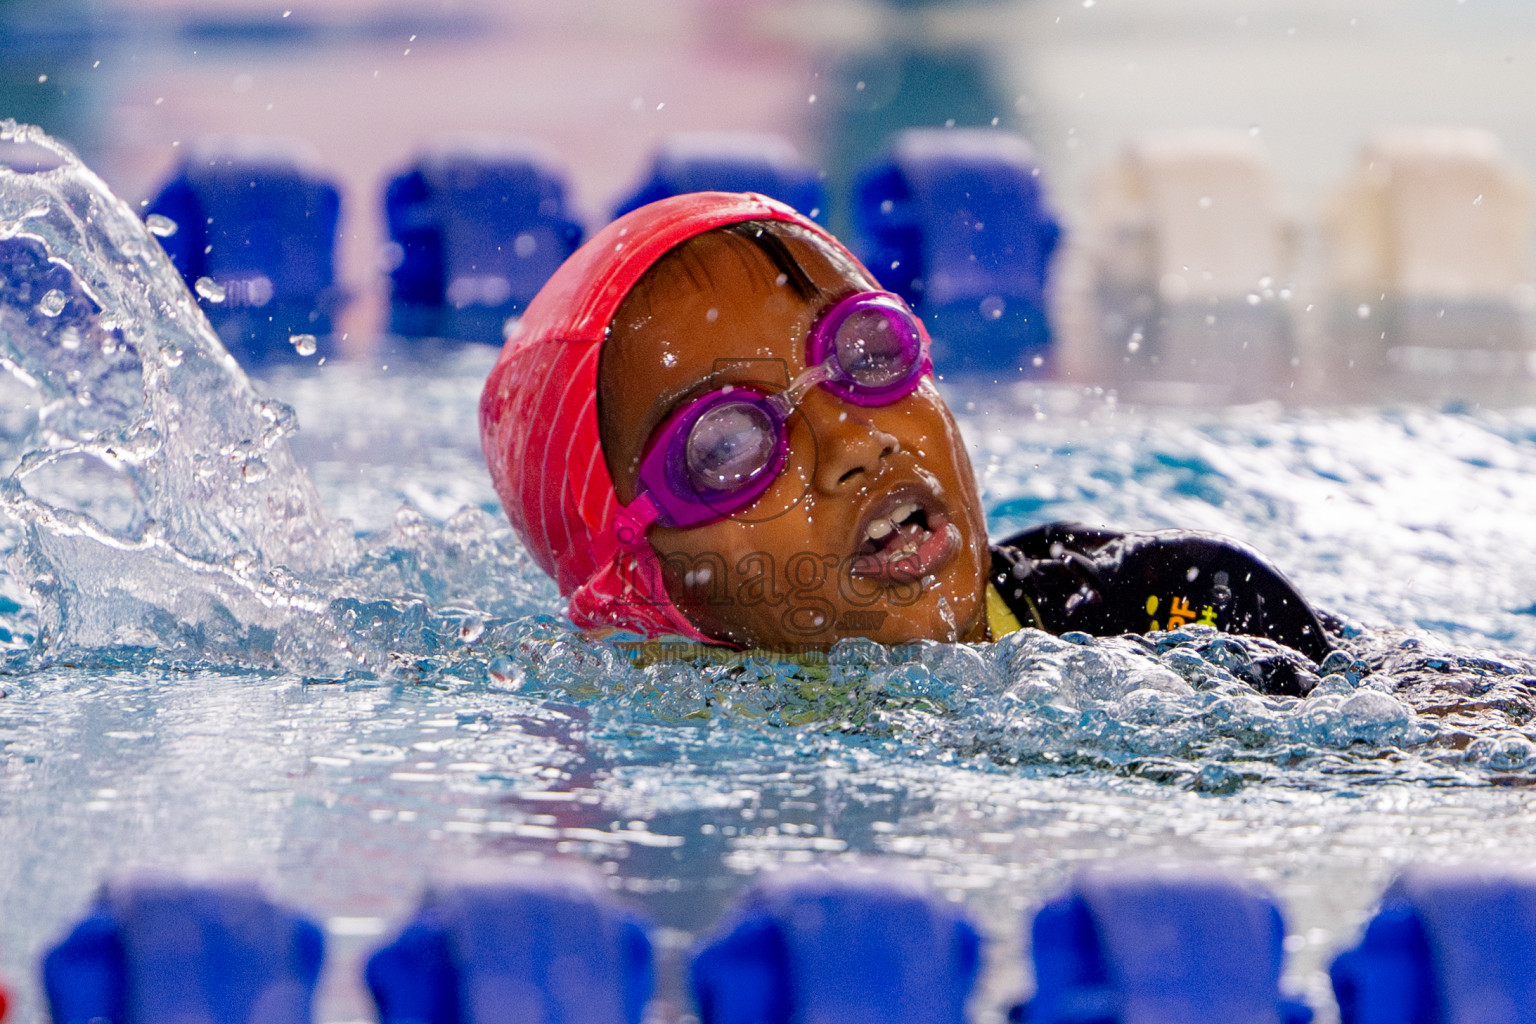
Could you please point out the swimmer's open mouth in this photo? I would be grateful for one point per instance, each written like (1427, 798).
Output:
(906, 537)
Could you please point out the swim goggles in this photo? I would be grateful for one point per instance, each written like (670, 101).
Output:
(719, 453)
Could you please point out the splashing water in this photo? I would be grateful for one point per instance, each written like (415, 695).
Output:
(189, 533)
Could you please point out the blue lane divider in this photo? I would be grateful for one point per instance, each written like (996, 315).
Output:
(478, 227)
(955, 222)
(1129, 948)
(856, 950)
(547, 945)
(731, 162)
(1444, 949)
(535, 947)
(257, 226)
(155, 952)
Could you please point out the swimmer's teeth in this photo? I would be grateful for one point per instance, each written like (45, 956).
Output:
(880, 529)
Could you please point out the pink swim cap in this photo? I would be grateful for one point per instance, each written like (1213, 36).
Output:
(538, 415)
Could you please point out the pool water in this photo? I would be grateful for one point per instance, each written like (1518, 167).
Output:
(299, 641)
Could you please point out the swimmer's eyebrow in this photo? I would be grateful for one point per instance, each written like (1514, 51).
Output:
(725, 372)
(730, 371)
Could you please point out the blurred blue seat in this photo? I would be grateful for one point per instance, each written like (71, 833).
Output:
(858, 950)
(1444, 948)
(255, 218)
(1123, 947)
(156, 952)
(478, 225)
(731, 162)
(955, 222)
(532, 946)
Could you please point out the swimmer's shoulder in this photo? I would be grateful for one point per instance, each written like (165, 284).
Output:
(1063, 577)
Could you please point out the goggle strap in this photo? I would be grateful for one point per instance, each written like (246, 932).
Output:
(631, 521)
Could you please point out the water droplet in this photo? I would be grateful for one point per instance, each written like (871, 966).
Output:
(210, 289)
(1254, 299)
(1479, 200)
(1205, 202)
(160, 226)
(668, 359)
(52, 304)
(303, 344)
(1363, 310)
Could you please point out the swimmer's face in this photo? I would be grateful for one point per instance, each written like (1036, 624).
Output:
(873, 528)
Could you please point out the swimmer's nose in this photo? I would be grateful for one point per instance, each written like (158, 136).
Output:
(851, 447)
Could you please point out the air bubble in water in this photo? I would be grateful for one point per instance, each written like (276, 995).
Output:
(53, 303)
(160, 226)
(303, 344)
(504, 673)
(210, 289)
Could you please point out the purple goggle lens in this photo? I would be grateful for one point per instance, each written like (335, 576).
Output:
(875, 346)
(720, 452)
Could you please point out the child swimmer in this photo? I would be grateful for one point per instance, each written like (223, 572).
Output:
(712, 422)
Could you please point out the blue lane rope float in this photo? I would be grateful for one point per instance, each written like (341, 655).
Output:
(956, 222)
(251, 224)
(476, 228)
(860, 949)
(1126, 947)
(1444, 948)
(152, 951)
(536, 946)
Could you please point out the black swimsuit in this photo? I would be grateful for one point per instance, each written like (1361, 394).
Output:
(1063, 577)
